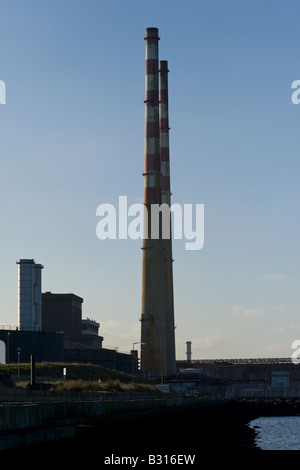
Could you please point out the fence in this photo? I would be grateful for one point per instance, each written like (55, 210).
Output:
(238, 391)
(19, 395)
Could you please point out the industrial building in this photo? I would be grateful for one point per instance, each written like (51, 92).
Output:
(237, 378)
(62, 313)
(51, 327)
(20, 345)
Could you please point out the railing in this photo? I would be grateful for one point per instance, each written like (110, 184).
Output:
(266, 360)
(238, 391)
(8, 327)
(267, 392)
(18, 395)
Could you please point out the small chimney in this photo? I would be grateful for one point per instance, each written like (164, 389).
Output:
(189, 351)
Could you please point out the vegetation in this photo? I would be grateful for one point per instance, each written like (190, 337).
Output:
(109, 386)
(80, 377)
(74, 371)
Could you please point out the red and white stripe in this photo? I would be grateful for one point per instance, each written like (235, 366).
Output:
(153, 322)
(166, 199)
(152, 149)
(164, 133)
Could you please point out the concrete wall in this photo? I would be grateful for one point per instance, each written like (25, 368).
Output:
(19, 395)
(45, 346)
(55, 421)
(108, 358)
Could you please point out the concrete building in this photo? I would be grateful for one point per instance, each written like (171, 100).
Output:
(62, 313)
(19, 345)
(29, 295)
(255, 370)
(109, 358)
(90, 333)
(51, 327)
(89, 327)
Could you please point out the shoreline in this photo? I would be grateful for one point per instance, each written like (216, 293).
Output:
(178, 430)
(213, 428)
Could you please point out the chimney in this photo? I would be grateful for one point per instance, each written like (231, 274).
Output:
(166, 199)
(29, 295)
(189, 351)
(153, 322)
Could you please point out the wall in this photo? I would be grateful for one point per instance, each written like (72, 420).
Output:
(46, 347)
(108, 358)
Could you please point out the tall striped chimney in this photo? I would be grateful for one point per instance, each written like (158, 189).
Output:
(153, 322)
(166, 199)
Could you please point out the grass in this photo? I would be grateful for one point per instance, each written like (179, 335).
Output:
(109, 386)
(80, 377)
(75, 371)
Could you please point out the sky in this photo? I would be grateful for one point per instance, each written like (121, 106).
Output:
(72, 138)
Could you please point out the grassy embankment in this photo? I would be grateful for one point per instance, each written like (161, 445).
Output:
(80, 377)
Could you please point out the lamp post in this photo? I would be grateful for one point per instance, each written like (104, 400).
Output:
(133, 356)
(7, 352)
(19, 353)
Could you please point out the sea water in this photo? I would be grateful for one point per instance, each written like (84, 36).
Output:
(277, 432)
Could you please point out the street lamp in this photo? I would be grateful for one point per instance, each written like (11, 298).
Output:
(19, 353)
(7, 352)
(133, 356)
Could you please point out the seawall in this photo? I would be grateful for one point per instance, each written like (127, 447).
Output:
(24, 424)
(135, 426)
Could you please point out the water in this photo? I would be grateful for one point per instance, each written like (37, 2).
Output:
(277, 432)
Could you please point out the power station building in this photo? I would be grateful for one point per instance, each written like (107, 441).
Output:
(62, 313)
(51, 327)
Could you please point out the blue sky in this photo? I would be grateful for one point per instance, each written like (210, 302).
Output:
(72, 138)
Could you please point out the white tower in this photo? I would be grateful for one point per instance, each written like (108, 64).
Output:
(29, 295)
